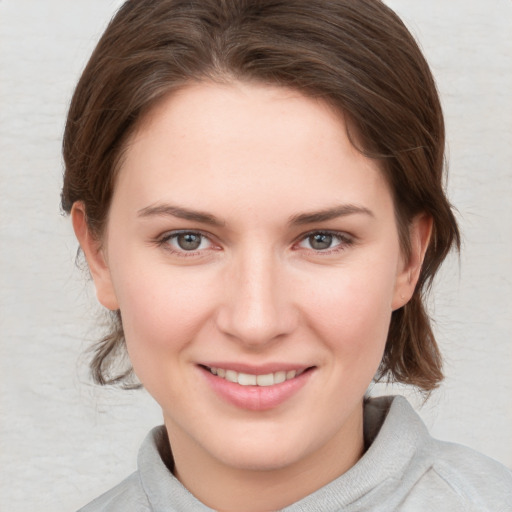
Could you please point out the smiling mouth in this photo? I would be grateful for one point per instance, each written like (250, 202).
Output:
(247, 379)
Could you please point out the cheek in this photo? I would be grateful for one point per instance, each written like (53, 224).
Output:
(351, 309)
(162, 311)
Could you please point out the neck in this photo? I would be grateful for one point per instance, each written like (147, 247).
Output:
(228, 488)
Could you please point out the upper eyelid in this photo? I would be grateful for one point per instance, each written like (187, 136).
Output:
(333, 232)
(326, 231)
(174, 232)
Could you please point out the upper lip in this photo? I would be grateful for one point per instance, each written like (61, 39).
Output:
(252, 369)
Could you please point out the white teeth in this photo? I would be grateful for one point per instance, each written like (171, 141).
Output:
(265, 380)
(232, 376)
(279, 377)
(247, 379)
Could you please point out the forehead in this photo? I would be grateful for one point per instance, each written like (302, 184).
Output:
(246, 145)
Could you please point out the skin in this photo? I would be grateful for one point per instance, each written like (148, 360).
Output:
(259, 159)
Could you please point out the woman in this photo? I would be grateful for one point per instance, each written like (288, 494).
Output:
(257, 188)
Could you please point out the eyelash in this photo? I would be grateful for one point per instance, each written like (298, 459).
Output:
(165, 239)
(344, 241)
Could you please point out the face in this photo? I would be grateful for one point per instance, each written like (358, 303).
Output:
(254, 256)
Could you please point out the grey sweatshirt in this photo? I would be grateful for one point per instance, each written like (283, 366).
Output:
(403, 470)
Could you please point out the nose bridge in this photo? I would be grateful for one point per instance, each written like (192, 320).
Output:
(258, 308)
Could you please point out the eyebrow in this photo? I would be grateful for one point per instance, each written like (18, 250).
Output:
(163, 210)
(329, 214)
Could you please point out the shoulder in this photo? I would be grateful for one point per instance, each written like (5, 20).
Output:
(460, 479)
(435, 475)
(473, 476)
(152, 486)
(127, 495)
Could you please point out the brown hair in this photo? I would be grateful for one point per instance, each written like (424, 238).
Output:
(356, 55)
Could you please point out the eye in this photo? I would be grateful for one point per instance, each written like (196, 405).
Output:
(325, 241)
(320, 241)
(186, 241)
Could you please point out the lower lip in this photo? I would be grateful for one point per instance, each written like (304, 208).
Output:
(256, 398)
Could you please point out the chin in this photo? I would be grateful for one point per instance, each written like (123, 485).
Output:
(262, 459)
(264, 450)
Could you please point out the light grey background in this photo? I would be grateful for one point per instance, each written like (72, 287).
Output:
(62, 440)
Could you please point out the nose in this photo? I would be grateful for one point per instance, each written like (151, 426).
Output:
(258, 307)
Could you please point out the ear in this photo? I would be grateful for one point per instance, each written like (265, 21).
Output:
(95, 256)
(420, 231)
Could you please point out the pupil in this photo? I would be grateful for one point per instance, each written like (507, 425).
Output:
(189, 241)
(320, 241)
